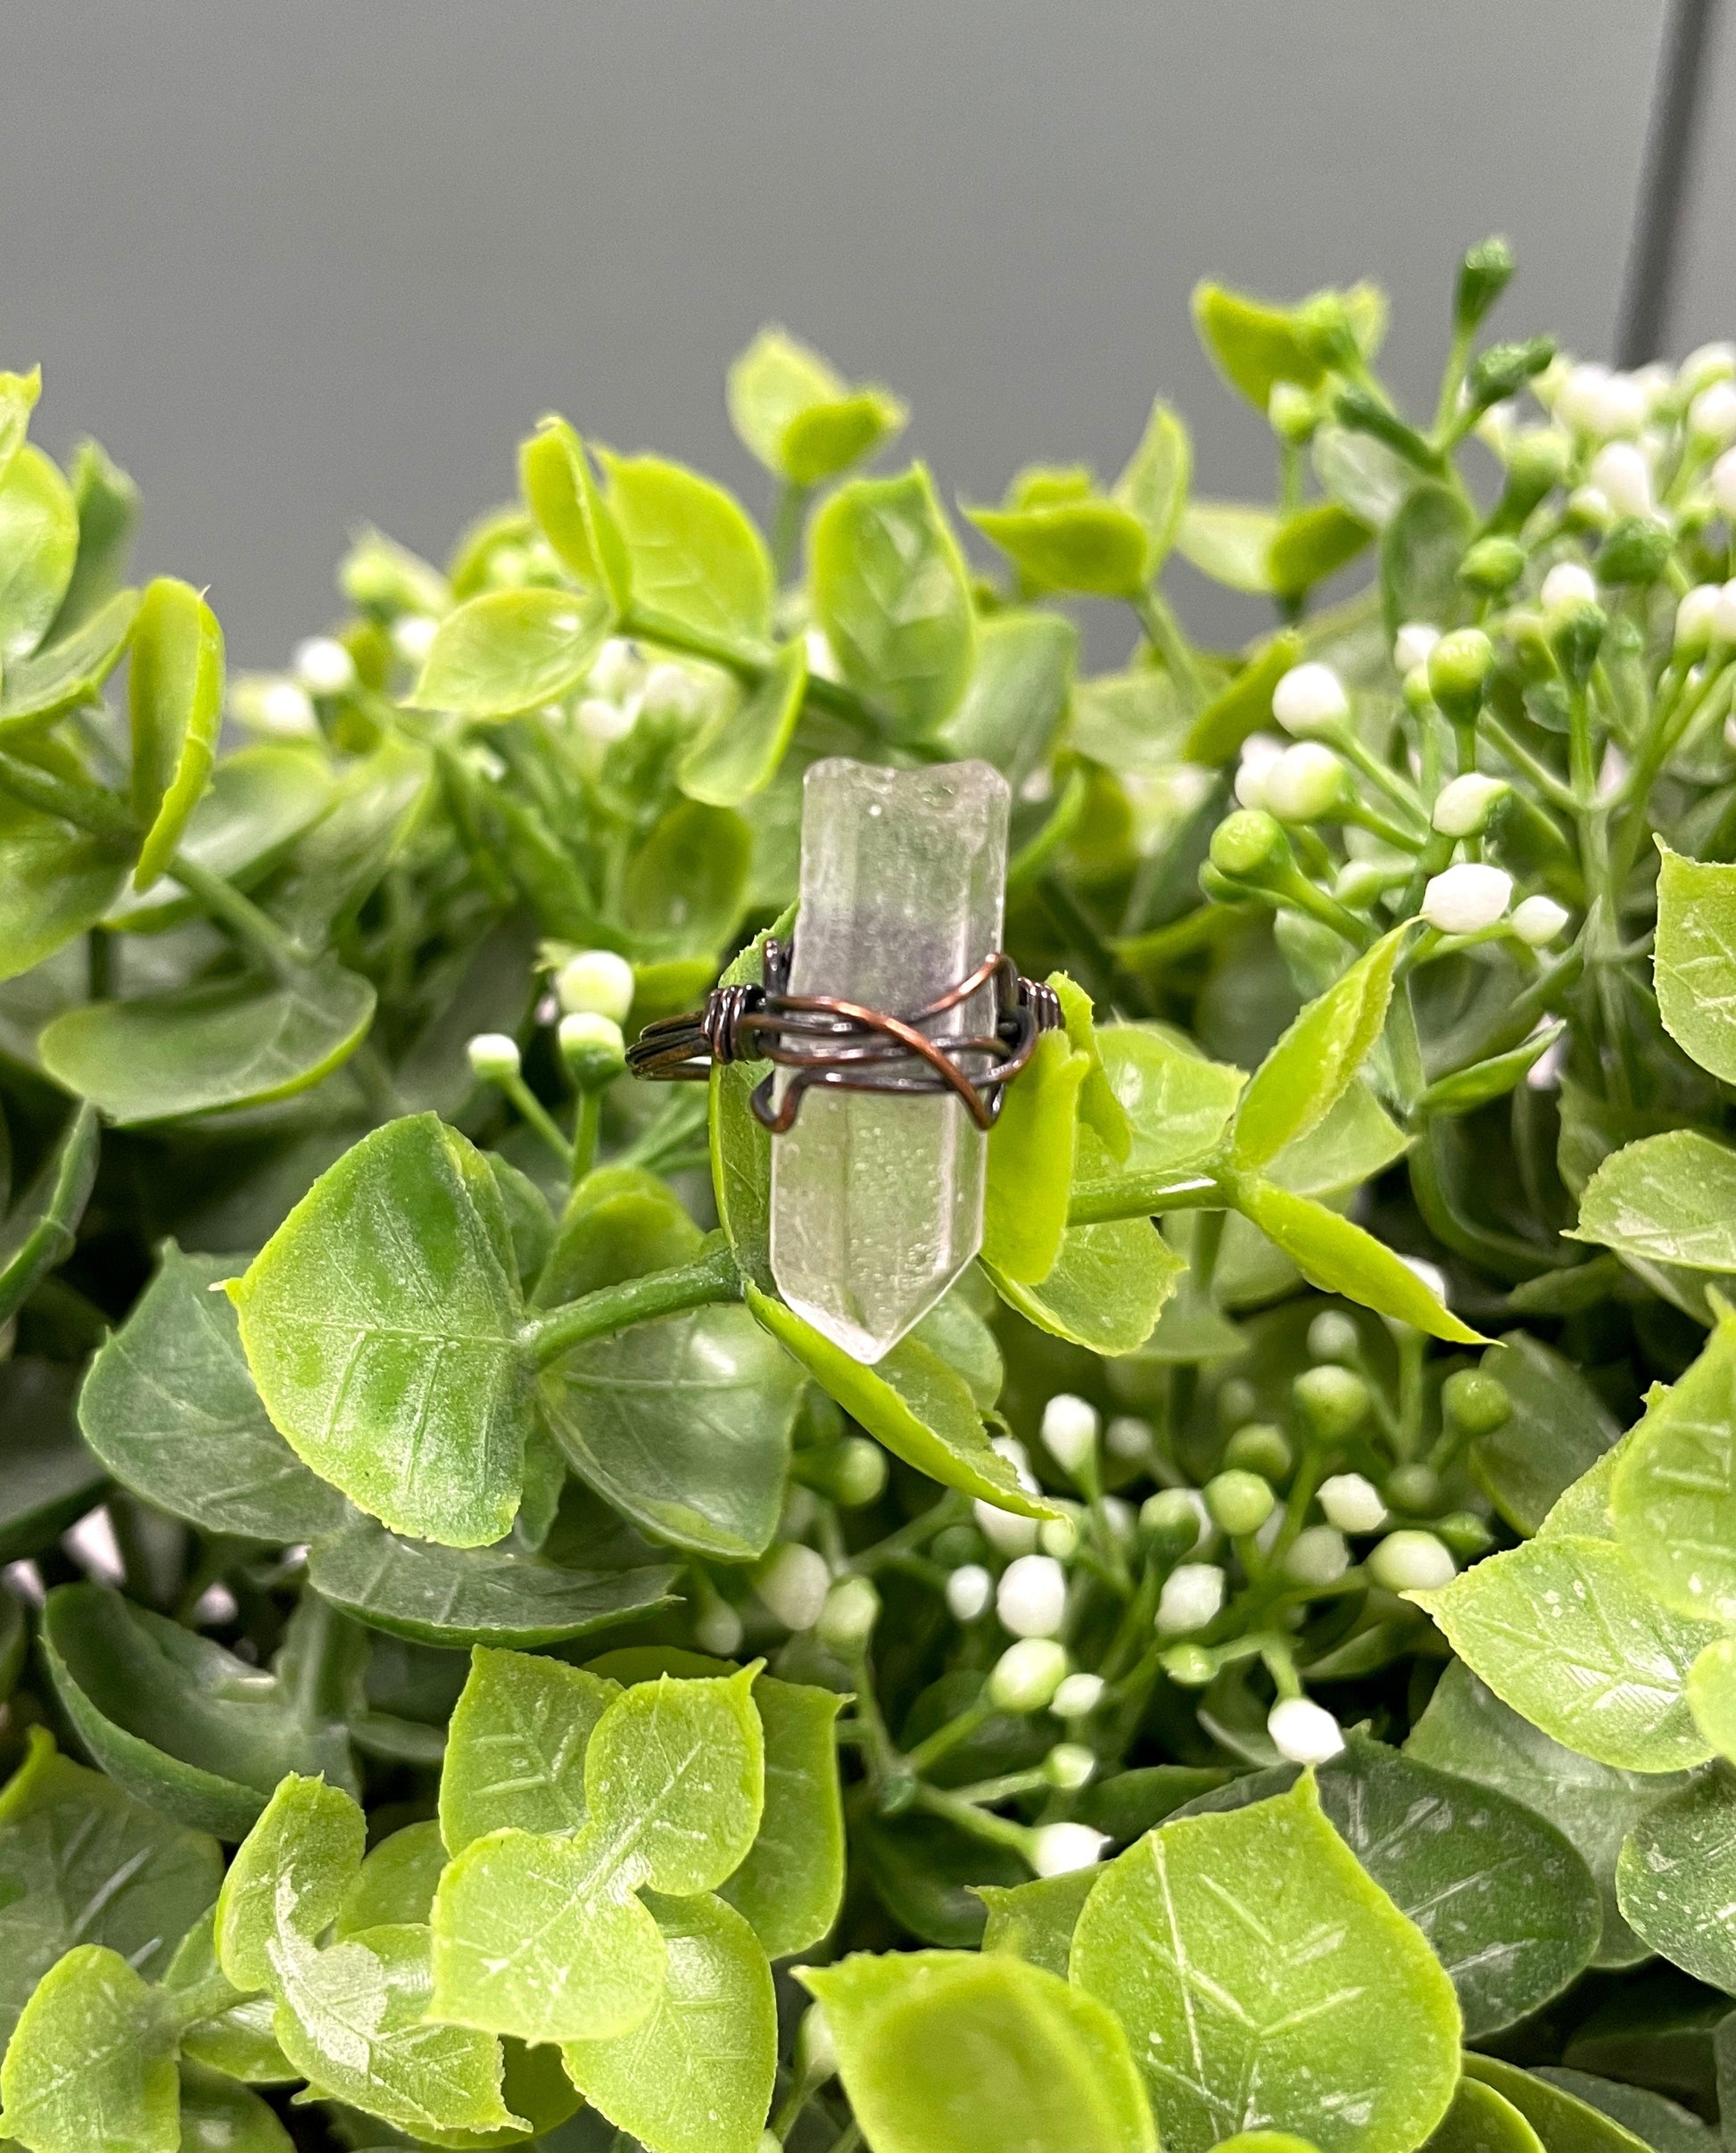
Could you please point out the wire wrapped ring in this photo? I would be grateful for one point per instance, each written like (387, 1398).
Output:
(843, 1046)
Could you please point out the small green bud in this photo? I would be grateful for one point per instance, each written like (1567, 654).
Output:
(816, 2052)
(1069, 1766)
(1173, 1522)
(1293, 413)
(956, 1545)
(1504, 368)
(1248, 844)
(847, 1620)
(1333, 1335)
(1637, 550)
(1492, 566)
(1465, 1533)
(1261, 1448)
(1410, 1561)
(1189, 1666)
(1415, 1488)
(1239, 1502)
(1027, 1675)
(1333, 1402)
(1483, 275)
(850, 1473)
(1474, 1403)
(1458, 665)
(1536, 463)
(1578, 632)
(1323, 327)
(493, 1056)
(593, 1048)
(597, 979)
(1237, 1401)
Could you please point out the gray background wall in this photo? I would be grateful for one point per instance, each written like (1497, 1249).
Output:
(304, 263)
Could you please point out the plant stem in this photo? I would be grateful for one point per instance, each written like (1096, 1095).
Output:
(536, 1115)
(712, 1278)
(1144, 1196)
(749, 663)
(787, 526)
(1164, 633)
(584, 1133)
(982, 1823)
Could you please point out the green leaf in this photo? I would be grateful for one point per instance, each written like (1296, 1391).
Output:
(695, 557)
(738, 753)
(506, 651)
(516, 1748)
(1314, 543)
(1480, 2120)
(799, 416)
(1564, 1630)
(741, 1144)
(1665, 1199)
(396, 1883)
(791, 1885)
(170, 1407)
(91, 2064)
(239, 1041)
(1230, 543)
(563, 496)
(1694, 962)
(1154, 483)
(382, 1325)
(338, 861)
(1245, 705)
(55, 882)
(37, 1236)
(1563, 2123)
(1313, 1064)
(910, 1401)
(39, 544)
(458, 1596)
(1356, 1140)
(544, 1936)
(219, 2116)
(684, 886)
(1420, 551)
(953, 2052)
(82, 1863)
(1558, 1429)
(289, 1877)
(1467, 1730)
(1338, 1256)
(697, 2077)
(1030, 1163)
(51, 1479)
(1036, 1921)
(174, 1718)
(175, 701)
(235, 2036)
(955, 1331)
(1676, 1879)
(1361, 474)
(1093, 547)
(1253, 345)
(1100, 1104)
(1673, 1497)
(1107, 1290)
(891, 591)
(108, 505)
(19, 393)
(1017, 694)
(1178, 1103)
(1712, 1695)
(70, 671)
(1661, 2124)
(1265, 1980)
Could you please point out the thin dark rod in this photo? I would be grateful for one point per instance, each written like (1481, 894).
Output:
(1678, 106)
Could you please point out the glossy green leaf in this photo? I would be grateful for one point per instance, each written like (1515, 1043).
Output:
(91, 2064)
(1100, 1104)
(791, 1885)
(170, 1407)
(1564, 1630)
(738, 753)
(1558, 1429)
(234, 2033)
(461, 1596)
(1030, 1163)
(19, 393)
(1253, 344)
(1314, 543)
(1231, 544)
(1563, 2123)
(1106, 1289)
(799, 416)
(82, 1863)
(261, 799)
(544, 1936)
(107, 501)
(1420, 551)
(338, 861)
(1480, 2120)
(953, 2052)
(912, 1402)
(1313, 1064)
(289, 1877)
(515, 1751)
(1361, 474)
(963, 1340)
(1017, 694)
(174, 1718)
(382, 1325)
(505, 651)
(39, 544)
(1245, 706)
(1467, 1730)
(1097, 548)
(698, 2076)
(1712, 1695)
(175, 701)
(1338, 1256)
(239, 1041)
(1356, 1140)
(51, 1479)
(1676, 1879)
(1265, 1980)
(577, 522)
(1178, 1103)
(219, 2116)
(740, 1144)
(1154, 484)
(70, 670)
(697, 558)
(55, 882)
(1673, 1497)
(891, 591)
(686, 883)
(1661, 2124)
(1665, 1199)
(1036, 1921)
(1694, 963)
(37, 1235)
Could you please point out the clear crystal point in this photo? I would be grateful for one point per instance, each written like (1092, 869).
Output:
(877, 1199)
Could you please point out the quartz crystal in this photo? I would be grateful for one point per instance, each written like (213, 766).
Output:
(877, 1198)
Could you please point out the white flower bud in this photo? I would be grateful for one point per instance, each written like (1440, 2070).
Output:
(1059, 1538)
(1724, 615)
(1657, 382)
(1027, 1675)
(1303, 1732)
(1578, 394)
(1305, 782)
(494, 1055)
(1068, 1765)
(1316, 1556)
(412, 636)
(1496, 427)
(822, 664)
(1192, 1595)
(1590, 505)
(969, 1590)
(1005, 1531)
(1170, 1505)
(607, 723)
(794, 1581)
(816, 2051)
(1353, 1502)
(1259, 751)
(1412, 1562)
(1310, 699)
(673, 689)
(1712, 415)
(717, 1630)
(1538, 920)
(1693, 619)
(1414, 642)
(1333, 1335)
(1070, 1431)
(282, 708)
(93, 1547)
(613, 670)
(1462, 806)
(1622, 404)
(1122, 1519)
(1127, 1437)
(1059, 1849)
(1621, 474)
(1724, 482)
(1031, 1598)
(1078, 1696)
(1568, 583)
(596, 979)
(1467, 898)
(847, 1620)
(584, 1031)
(323, 665)
(1707, 363)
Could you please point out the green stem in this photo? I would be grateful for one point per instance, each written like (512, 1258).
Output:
(947, 1738)
(787, 526)
(321, 1642)
(1144, 1196)
(1164, 633)
(584, 1133)
(223, 902)
(712, 1278)
(533, 1112)
(981, 1823)
(749, 663)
